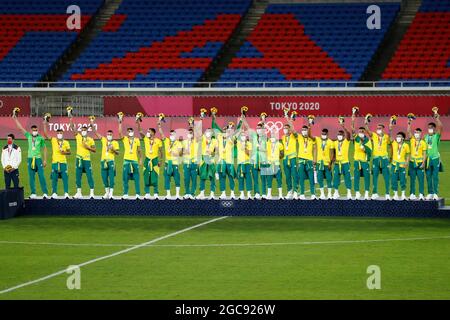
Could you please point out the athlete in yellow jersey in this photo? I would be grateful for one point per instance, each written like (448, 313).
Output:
(272, 170)
(342, 162)
(307, 153)
(325, 149)
(191, 158)
(85, 145)
(289, 141)
(400, 160)
(60, 151)
(207, 168)
(381, 144)
(244, 173)
(173, 151)
(110, 148)
(132, 159)
(418, 159)
(361, 156)
(152, 162)
(226, 143)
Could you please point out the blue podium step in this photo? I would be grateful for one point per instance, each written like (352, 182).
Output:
(344, 208)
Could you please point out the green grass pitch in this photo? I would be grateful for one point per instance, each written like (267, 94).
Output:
(233, 258)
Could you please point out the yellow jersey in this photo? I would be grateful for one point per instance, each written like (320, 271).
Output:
(417, 149)
(399, 152)
(360, 153)
(130, 148)
(380, 145)
(274, 150)
(191, 151)
(242, 156)
(107, 149)
(305, 147)
(289, 146)
(172, 150)
(82, 152)
(57, 147)
(226, 148)
(323, 150)
(152, 147)
(341, 148)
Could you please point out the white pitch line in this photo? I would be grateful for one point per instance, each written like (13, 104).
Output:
(226, 244)
(144, 244)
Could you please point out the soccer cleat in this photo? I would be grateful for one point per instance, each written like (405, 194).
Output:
(78, 195)
(233, 196)
(412, 196)
(295, 196)
(257, 196)
(329, 196)
(66, 196)
(429, 197)
(139, 197)
(396, 198)
(45, 196)
(403, 197)
(358, 195)
(125, 197)
(349, 195)
(366, 195)
(212, 196)
(323, 197)
(33, 196)
(111, 193)
(336, 195)
(421, 197)
(289, 195)
(301, 197)
(155, 196)
(435, 197)
(269, 197)
(91, 194)
(54, 196)
(223, 196)
(249, 195)
(147, 196)
(375, 196)
(313, 197)
(387, 197)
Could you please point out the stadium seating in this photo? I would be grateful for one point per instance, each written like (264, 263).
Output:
(424, 52)
(309, 42)
(159, 41)
(34, 34)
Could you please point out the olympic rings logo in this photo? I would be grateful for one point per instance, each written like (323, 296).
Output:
(274, 126)
(226, 204)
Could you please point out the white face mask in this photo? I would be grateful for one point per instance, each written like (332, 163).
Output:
(339, 137)
(285, 131)
(109, 137)
(148, 134)
(172, 138)
(243, 138)
(208, 134)
(260, 132)
(417, 135)
(131, 134)
(430, 131)
(324, 137)
(379, 131)
(304, 133)
(84, 133)
(34, 133)
(399, 139)
(361, 135)
(59, 136)
(273, 139)
(190, 135)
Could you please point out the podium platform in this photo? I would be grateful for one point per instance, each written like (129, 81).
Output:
(325, 208)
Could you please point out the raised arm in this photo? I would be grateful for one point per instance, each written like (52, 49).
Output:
(139, 127)
(72, 126)
(120, 130)
(161, 132)
(94, 130)
(408, 130)
(347, 133)
(366, 125)
(353, 124)
(19, 125)
(45, 134)
(439, 125)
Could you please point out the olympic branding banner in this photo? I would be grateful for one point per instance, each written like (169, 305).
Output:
(8, 103)
(319, 105)
(180, 124)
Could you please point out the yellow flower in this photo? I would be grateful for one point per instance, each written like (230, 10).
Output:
(92, 118)
(214, 110)
(162, 117)
(16, 111)
(263, 116)
(47, 117)
(355, 110)
(368, 117)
